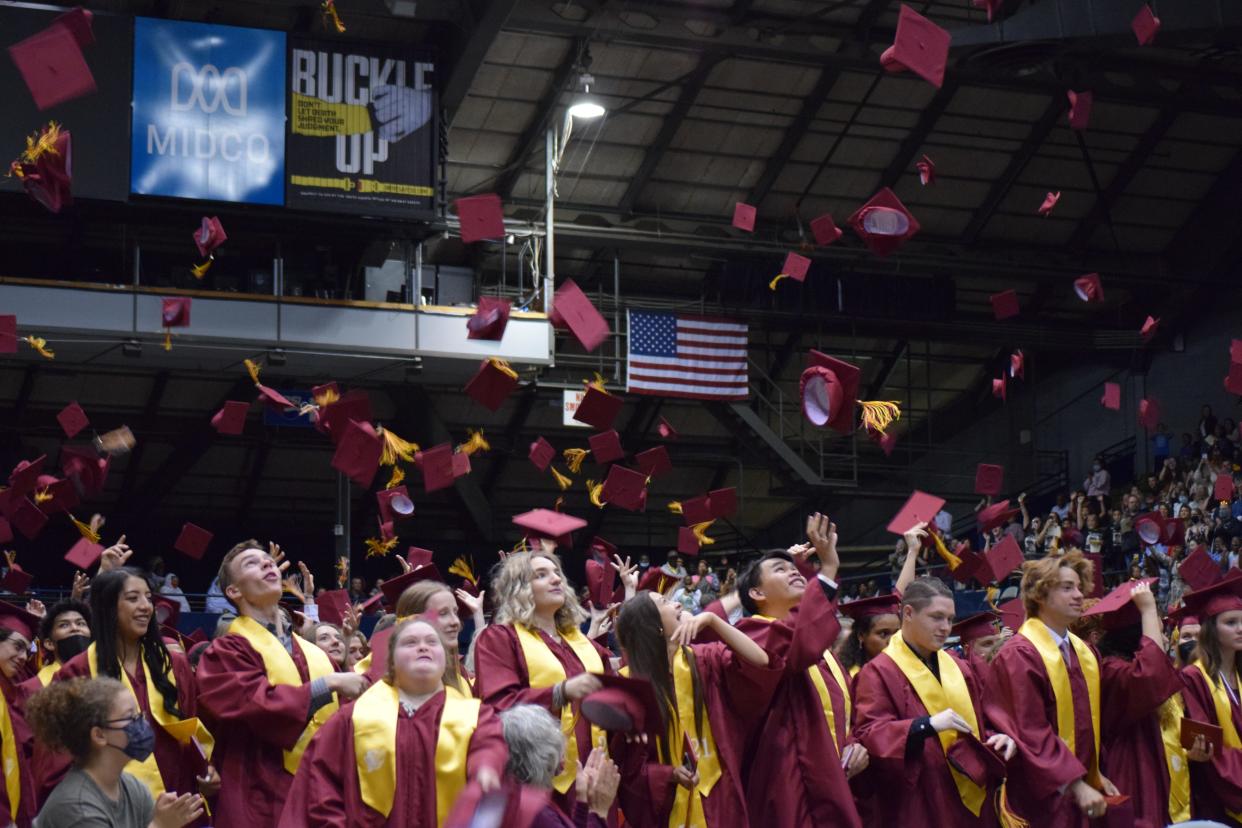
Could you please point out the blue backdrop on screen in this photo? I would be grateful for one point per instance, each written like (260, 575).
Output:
(209, 112)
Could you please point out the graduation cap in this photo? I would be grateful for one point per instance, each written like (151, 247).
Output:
(666, 430)
(989, 479)
(45, 167)
(889, 604)
(394, 503)
(416, 556)
(1002, 559)
(441, 467)
(117, 441)
(334, 419)
(1233, 380)
(920, 46)
(393, 587)
(84, 554)
(1150, 326)
(600, 578)
(1050, 201)
(542, 454)
(51, 61)
(333, 605)
(1223, 596)
(490, 319)
(696, 510)
(1182, 617)
(606, 446)
(825, 230)
(927, 170)
(8, 333)
(17, 580)
(1017, 365)
(722, 502)
(231, 419)
(1149, 414)
(884, 223)
(1112, 396)
(1005, 305)
(920, 507)
(25, 475)
(510, 806)
(573, 310)
(687, 541)
(598, 407)
(1145, 25)
(625, 488)
(17, 620)
(744, 217)
(1116, 610)
(624, 704)
(656, 580)
(6, 530)
(997, 514)
(1012, 613)
(1174, 532)
(357, 454)
(61, 495)
(193, 541)
(481, 217)
(1223, 488)
(167, 611)
(545, 523)
(1080, 108)
(999, 387)
(974, 627)
(1088, 288)
(795, 267)
(72, 420)
(85, 467)
(829, 388)
(654, 461)
(209, 236)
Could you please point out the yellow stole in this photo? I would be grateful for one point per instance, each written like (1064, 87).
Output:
(47, 671)
(950, 692)
(1036, 632)
(282, 670)
(8, 756)
(1224, 717)
(375, 747)
(688, 805)
(855, 670)
(821, 687)
(1170, 716)
(545, 670)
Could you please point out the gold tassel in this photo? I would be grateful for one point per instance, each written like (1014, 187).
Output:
(521, 545)
(168, 340)
(675, 507)
(329, 9)
(772, 284)
(252, 368)
(700, 533)
(375, 547)
(989, 597)
(952, 560)
(1005, 813)
(397, 476)
(200, 270)
(597, 384)
(560, 501)
(326, 397)
(878, 415)
(561, 480)
(476, 443)
(40, 345)
(462, 568)
(502, 365)
(85, 530)
(574, 458)
(396, 449)
(42, 496)
(38, 144)
(596, 491)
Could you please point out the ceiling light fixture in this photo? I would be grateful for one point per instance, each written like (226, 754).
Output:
(584, 105)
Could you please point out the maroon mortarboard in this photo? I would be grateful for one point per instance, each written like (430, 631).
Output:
(273, 399)
(1150, 326)
(795, 267)
(656, 580)
(921, 507)
(1012, 613)
(17, 580)
(333, 605)
(722, 502)
(542, 454)
(83, 465)
(25, 475)
(602, 548)
(1223, 488)
(490, 319)
(974, 627)
(326, 394)
(927, 170)
(84, 554)
(696, 510)
(6, 530)
(573, 310)
(510, 806)
(1017, 365)
(193, 541)
(491, 385)
(598, 408)
(1235, 350)
(654, 461)
(1149, 414)
(393, 587)
(416, 556)
(999, 387)
(18, 620)
(26, 517)
(8, 334)
(482, 217)
(1002, 559)
(46, 171)
(884, 223)
(1145, 25)
(1005, 305)
(231, 419)
(1116, 610)
(545, 523)
(394, 503)
(888, 604)
(334, 418)
(624, 704)
(1050, 201)
(1222, 596)
(886, 441)
(997, 514)
(829, 388)
(989, 479)
(606, 446)
(744, 217)
(687, 543)
(1088, 288)
(599, 578)
(625, 488)
(920, 46)
(387, 528)
(1112, 396)
(1199, 570)
(1150, 527)
(72, 420)
(63, 496)
(666, 430)
(976, 761)
(825, 230)
(1080, 108)
(175, 312)
(1233, 380)
(51, 61)
(167, 610)
(436, 464)
(209, 235)
(357, 454)
(460, 464)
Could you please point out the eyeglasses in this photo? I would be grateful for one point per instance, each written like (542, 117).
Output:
(125, 719)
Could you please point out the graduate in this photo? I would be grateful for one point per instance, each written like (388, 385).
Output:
(876, 619)
(1141, 710)
(128, 647)
(1044, 690)
(534, 653)
(1211, 694)
(263, 692)
(401, 754)
(804, 754)
(710, 697)
(64, 632)
(18, 800)
(978, 639)
(919, 713)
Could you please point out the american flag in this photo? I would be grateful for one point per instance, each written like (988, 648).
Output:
(676, 355)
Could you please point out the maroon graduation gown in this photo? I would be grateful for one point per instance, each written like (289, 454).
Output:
(253, 723)
(28, 804)
(1131, 746)
(501, 680)
(795, 776)
(325, 791)
(980, 666)
(909, 793)
(1216, 786)
(1019, 701)
(735, 693)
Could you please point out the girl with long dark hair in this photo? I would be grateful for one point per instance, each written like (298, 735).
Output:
(128, 647)
(691, 773)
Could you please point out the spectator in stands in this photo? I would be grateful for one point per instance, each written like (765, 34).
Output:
(172, 589)
(644, 563)
(944, 523)
(216, 602)
(1048, 539)
(707, 583)
(1161, 445)
(1061, 509)
(357, 590)
(1207, 423)
(1099, 482)
(673, 566)
(689, 596)
(1189, 449)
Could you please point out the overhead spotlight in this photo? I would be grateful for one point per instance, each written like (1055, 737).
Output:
(131, 348)
(584, 105)
(277, 357)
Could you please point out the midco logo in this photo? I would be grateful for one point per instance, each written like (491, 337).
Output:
(208, 90)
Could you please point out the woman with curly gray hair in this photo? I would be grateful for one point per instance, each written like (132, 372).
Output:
(536, 753)
(534, 653)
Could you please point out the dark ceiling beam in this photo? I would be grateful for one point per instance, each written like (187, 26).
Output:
(1039, 132)
(532, 138)
(886, 370)
(917, 136)
(470, 54)
(668, 130)
(1133, 164)
(793, 134)
(148, 420)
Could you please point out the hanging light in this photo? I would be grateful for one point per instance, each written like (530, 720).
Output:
(585, 105)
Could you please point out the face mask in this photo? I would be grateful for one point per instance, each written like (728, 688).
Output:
(1095, 467)
(70, 646)
(1185, 649)
(141, 739)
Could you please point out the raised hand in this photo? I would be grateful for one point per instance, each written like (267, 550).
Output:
(823, 536)
(628, 573)
(35, 607)
(278, 556)
(173, 811)
(691, 626)
(473, 603)
(80, 584)
(115, 556)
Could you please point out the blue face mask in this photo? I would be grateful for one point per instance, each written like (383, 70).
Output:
(140, 738)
